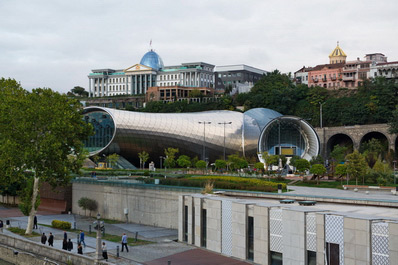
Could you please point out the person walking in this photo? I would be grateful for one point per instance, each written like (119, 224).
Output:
(65, 244)
(124, 242)
(43, 238)
(70, 245)
(1, 226)
(104, 251)
(82, 238)
(79, 249)
(51, 239)
(65, 235)
(35, 222)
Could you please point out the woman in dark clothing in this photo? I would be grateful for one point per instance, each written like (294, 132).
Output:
(65, 244)
(43, 238)
(79, 249)
(70, 245)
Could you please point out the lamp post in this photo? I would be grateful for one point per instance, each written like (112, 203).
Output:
(395, 171)
(320, 113)
(161, 157)
(204, 137)
(346, 171)
(98, 247)
(224, 123)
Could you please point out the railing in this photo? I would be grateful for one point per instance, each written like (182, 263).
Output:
(348, 78)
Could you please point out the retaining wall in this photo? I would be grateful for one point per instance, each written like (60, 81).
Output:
(32, 253)
(147, 204)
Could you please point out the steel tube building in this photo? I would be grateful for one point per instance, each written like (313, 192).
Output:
(199, 134)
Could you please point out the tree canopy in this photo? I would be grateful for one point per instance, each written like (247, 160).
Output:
(40, 131)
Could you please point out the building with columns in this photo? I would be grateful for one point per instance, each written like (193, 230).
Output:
(150, 72)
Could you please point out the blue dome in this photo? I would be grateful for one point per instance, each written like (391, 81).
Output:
(152, 59)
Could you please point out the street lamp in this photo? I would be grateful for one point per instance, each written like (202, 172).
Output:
(395, 171)
(320, 113)
(223, 123)
(161, 157)
(98, 247)
(204, 137)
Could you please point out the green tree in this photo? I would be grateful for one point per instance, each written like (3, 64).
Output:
(220, 164)
(341, 170)
(317, 160)
(170, 154)
(96, 158)
(112, 159)
(201, 165)
(78, 91)
(259, 167)
(237, 162)
(356, 166)
(42, 131)
(302, 165)
(143, 156)
(318, 170)
(184, 161)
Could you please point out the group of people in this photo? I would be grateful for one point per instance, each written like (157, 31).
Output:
(67, 244)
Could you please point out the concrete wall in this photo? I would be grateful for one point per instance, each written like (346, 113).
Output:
(239, 217)
(294, 251)
(393, 242)
(150, 205)
(357, 248)
(32, 253)
(261, 239)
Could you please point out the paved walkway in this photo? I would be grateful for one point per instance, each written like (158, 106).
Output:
(373, 194)
(163, 248)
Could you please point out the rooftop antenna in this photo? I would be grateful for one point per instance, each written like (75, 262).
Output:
(337, 43)
(150, 45)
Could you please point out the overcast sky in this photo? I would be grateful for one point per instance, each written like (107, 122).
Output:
(56, 44)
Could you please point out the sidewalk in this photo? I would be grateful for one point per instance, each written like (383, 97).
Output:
(163, 249)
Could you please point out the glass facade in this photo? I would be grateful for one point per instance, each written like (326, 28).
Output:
(104, 128)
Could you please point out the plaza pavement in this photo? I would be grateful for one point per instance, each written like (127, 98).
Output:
(163, 249)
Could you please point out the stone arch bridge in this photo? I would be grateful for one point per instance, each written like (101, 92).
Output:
(354, 136)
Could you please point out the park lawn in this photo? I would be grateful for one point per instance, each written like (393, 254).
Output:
(21, 232)
(322, 184)
(118, 239)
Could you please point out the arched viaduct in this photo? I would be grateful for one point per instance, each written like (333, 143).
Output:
(354, 136)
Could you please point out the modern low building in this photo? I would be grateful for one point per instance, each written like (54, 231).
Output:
(234, 76)
(268, 233)
(206, 135)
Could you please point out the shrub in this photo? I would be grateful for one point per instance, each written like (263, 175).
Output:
(61, 224)
(87, 204)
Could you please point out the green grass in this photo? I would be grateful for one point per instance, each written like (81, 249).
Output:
(322, 184)
(118, 239)
(21, 232)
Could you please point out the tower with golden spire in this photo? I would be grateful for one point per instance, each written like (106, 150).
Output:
(337, 55)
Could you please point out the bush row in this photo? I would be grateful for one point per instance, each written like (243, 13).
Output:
(220, 183)
(61, 224)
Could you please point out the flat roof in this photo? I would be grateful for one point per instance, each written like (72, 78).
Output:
(239, 67)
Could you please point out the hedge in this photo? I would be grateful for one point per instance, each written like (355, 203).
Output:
(61, 224)
(221, 182)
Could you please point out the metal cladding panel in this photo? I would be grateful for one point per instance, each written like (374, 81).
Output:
(154, 132)
(334, 232)
(226, 220)
(380, 244)
(276, 230)
(311, 231)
